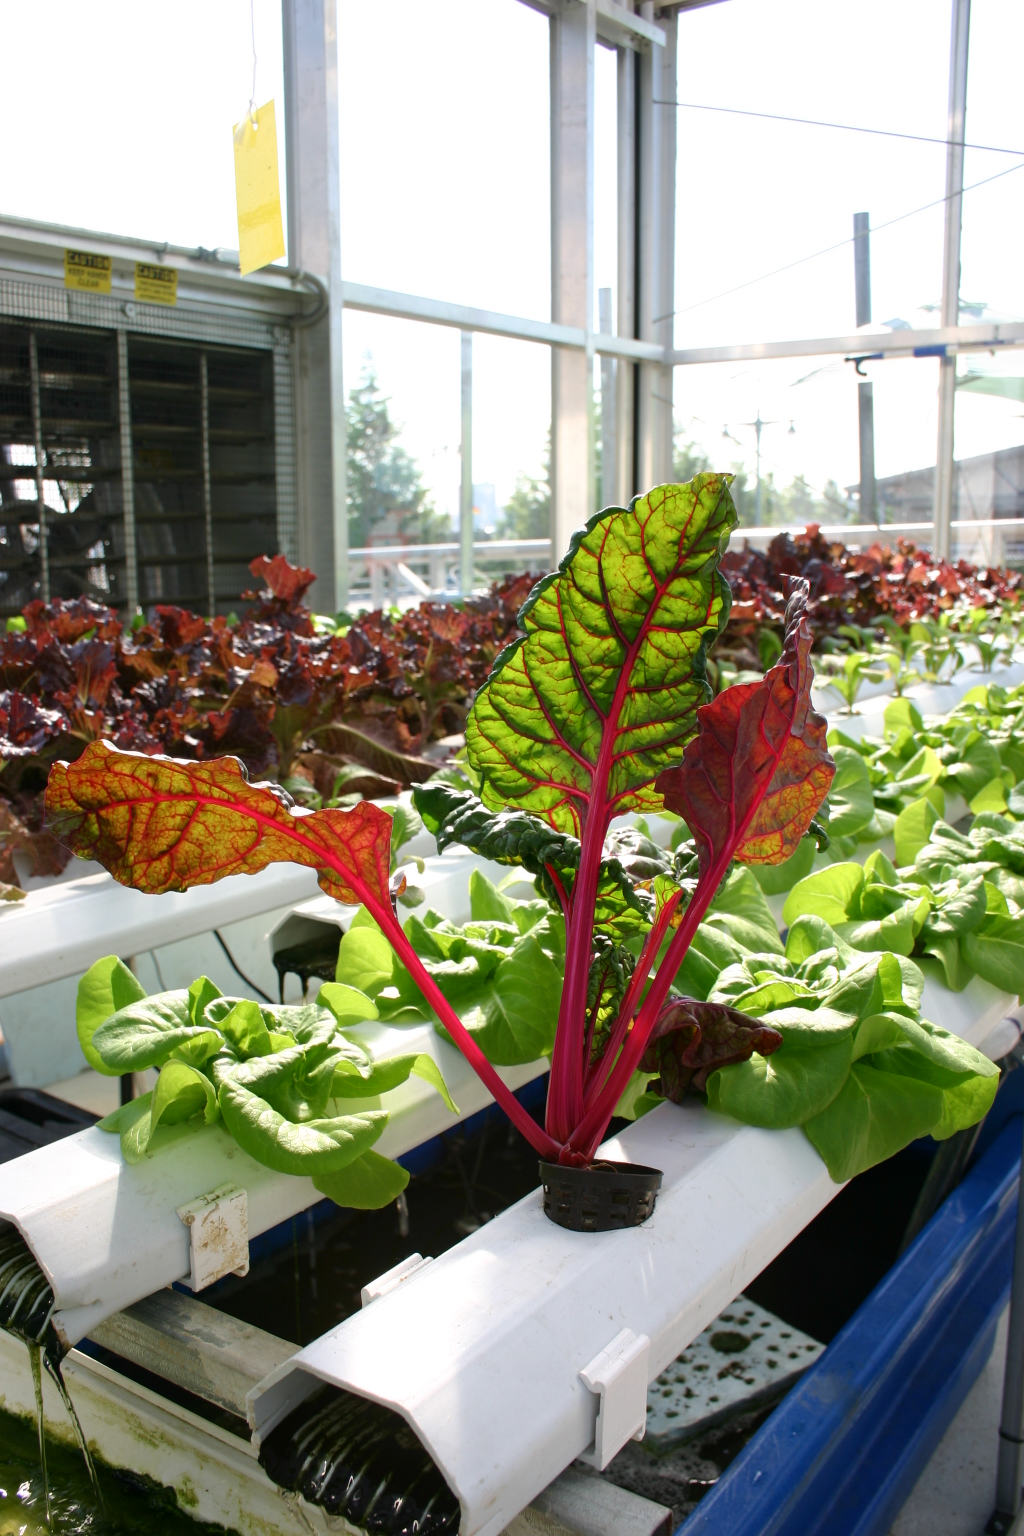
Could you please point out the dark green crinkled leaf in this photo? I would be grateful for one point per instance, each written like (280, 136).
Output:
(513, 837)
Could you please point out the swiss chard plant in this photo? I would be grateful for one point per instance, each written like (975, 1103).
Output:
(599, 708)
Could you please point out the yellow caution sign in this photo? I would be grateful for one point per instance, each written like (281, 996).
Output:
(258, 190)
(86, 272)
(156, 285)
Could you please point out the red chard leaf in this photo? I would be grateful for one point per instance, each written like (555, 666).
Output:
(690, 1040)
(758, 769)
(162, 825)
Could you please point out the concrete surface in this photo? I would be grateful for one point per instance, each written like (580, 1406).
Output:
(955, 1493)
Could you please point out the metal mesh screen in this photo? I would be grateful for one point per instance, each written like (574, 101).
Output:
(202, 427)
(61, 510)
(200, 421)
(167, 454)
(243, 481)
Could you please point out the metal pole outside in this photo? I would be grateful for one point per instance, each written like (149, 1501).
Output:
(944, 462)
(628, 214)
(37, 438)
(609, 409)
(865, 392)
(131, 559)
(573, 40)
(466, 483)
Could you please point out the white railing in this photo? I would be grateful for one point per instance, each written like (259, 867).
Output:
(408, 573)
(404, 574)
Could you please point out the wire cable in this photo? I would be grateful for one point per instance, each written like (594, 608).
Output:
(813, 122)
(238, 971)
(838, 246)
(252, 98)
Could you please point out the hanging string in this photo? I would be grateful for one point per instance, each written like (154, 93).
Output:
(252, 97)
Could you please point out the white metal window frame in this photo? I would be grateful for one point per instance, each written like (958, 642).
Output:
(217, 305)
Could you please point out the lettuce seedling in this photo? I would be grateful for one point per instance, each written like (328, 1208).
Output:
(600, 708)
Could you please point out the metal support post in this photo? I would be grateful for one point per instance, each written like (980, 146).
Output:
(204, 395)
(314, 244)
(944, 463)
(466, 482)
(124, 407)
(656, 118)
(573, 35)
(609, 471)
(37, 440)
(627, 483)
(865, 392)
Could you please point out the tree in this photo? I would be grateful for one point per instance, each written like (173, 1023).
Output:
(527, 513)
(381, 476)
(793, 505)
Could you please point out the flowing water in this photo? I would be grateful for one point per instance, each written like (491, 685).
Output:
(356, 1459)
(26, 1310)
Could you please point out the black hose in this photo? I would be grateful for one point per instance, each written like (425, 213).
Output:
(238, 972)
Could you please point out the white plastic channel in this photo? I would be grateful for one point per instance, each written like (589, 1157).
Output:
(106, 1234)
(482, 1350)
(828, 701)
(56, 933)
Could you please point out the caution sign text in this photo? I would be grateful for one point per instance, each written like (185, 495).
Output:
(87, 272)
(156, 285)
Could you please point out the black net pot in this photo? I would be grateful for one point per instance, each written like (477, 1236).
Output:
(602, 1198)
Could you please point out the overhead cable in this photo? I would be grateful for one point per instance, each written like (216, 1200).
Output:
(838, 246)
(814, 122)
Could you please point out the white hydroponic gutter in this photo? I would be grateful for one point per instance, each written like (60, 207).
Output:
(828, 702)
(60, 930)
(527, 1346)
(106, 1234)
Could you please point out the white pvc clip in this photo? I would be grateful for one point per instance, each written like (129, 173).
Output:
(218, 1226)
(619, 1375)
(391, 1279)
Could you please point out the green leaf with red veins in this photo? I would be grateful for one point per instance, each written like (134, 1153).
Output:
(160, 824)
(758, 770)
(601, 695)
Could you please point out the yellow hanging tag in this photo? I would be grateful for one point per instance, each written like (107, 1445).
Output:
(258, 190)
(86, 272)
(156, 285)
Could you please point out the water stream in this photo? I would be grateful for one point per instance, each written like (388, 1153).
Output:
(26, 1311)
(357, 1459)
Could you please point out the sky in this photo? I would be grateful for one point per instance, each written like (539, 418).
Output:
(445, 192)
